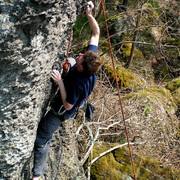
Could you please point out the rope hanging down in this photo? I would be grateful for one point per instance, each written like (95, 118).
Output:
(67, 53)
(120, 102)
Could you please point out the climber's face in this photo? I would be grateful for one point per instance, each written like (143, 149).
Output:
(79, 60)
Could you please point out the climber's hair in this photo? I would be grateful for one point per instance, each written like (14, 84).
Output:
(91, 63)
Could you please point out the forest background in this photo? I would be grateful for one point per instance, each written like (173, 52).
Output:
(145, 43)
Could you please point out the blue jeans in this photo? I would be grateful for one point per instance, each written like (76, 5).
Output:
(48, 125)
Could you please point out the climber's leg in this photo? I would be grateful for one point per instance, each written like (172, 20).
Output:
(46, 128)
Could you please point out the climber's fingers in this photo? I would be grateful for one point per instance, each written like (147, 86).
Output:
(90, 5)
(56, 76)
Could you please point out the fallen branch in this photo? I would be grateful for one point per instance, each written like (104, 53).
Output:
(94, 140)
(108, 151)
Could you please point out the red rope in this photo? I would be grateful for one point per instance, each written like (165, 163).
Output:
(67, 53)
(120, 102)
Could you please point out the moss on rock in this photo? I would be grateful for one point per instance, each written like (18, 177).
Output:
(117, 165)
(139, 63)
(105, 167)
(174, 87)
(174, 84)
(154, 95)
(124, 76)
(126, 50)
(150, 15)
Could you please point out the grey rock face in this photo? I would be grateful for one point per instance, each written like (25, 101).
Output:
(34, 34)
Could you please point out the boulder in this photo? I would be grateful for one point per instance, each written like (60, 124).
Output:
(34, 34)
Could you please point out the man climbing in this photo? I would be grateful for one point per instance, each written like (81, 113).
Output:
(73, 90)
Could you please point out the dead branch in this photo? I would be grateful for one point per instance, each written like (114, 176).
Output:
(107, 152)
(94, 140)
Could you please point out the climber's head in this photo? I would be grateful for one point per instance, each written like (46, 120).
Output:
(88, 62)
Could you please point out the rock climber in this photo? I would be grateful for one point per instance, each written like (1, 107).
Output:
(76, 86)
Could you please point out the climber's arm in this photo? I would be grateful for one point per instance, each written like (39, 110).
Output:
(93, 24)
(57, 78)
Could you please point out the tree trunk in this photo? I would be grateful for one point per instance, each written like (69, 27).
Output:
(124, 5)
(134, 38)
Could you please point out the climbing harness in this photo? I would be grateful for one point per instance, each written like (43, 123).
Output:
(120, 102)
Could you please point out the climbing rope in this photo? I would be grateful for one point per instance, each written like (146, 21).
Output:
(120, 102)
(67, 53)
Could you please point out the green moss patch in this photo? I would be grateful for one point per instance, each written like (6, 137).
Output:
(174, 84)
(174, 87)
(124, 76)
(117, 165)
(151, 99)
(126, 51)
(150, 15)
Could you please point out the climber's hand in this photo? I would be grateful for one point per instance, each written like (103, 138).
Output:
(89, 7)
(55, 75)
